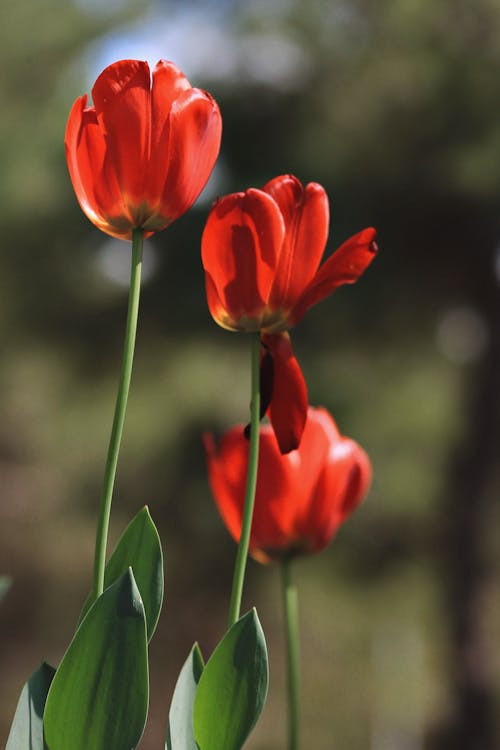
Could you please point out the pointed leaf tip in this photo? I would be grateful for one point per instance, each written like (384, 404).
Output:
(26, 732)
(139, 547)
(99, 696)
(232, 688)
(129, 602)
(180, 734)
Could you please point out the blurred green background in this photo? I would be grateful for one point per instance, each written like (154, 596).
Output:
(393, 106)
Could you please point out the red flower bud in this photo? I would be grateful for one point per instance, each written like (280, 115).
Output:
(141, 155)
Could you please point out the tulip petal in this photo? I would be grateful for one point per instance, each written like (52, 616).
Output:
(288, 408)
(319, 434)
(240, 250)
(227, 470)
(194, 136)
(359, 482)
(80, 165)
(306, 215)
(168, 83)
(93, 178)
(341, 487)
(215, 305)
(273, 516)
(344, 266)
(122, 100)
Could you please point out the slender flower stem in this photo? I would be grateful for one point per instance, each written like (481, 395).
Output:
(119, 416)
(253, 461)
(291, 609)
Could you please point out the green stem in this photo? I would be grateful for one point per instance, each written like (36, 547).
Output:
(291, 608)
(119, 416)
(253, 460)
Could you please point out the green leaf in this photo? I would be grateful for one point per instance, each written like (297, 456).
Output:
(4, 586)
(233, 687)
(26, 732)
(180, 735)
(98, 699)
(139, 548)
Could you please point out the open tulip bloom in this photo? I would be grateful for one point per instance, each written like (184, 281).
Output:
(261, 252)
(140, 156)
(301, 498)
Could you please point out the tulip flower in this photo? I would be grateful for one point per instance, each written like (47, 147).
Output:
(261, 252)
(302, 498)
(140, 156)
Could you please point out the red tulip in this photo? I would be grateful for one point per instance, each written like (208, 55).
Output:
(261, 252)
(302, 498)
(139, 157)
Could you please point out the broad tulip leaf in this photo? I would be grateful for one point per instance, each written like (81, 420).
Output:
(99, 696)
(26, 732)
(180, 735)
(232, 688)
(139, 548)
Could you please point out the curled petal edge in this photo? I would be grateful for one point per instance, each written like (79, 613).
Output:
(344, 266)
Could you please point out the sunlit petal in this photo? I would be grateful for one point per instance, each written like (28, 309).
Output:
(122, 100)
(240, 249)
(305, 212)
(194, 136)
(345, 266)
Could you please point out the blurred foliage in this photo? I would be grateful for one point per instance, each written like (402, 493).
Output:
(394, 107)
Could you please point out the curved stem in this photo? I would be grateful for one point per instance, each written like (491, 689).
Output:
(291, 609)
(253, 460)
(119, 416)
